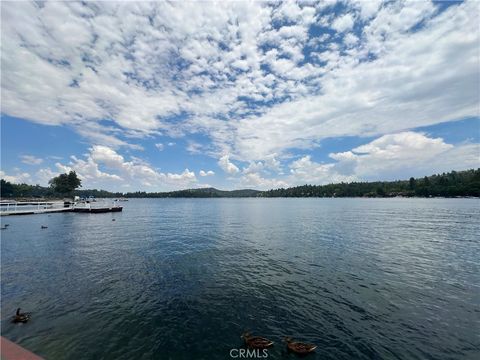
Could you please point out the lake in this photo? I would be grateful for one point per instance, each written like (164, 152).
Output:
(183, 278)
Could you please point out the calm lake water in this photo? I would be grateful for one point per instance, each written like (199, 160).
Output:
(182, 279)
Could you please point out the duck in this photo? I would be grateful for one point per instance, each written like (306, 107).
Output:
(6, 225)
(113, 219)
(44, 227)
(256, 342)
(299, 347)
(3, 228)
(20, 317)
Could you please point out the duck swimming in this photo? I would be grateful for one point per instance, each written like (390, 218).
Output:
(20, 317)
(44, 227)
(299, 347)
(256, 342)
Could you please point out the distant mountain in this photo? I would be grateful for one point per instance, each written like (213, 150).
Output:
(200, 193)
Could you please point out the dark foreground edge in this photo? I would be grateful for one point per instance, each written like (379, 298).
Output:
(12, 351)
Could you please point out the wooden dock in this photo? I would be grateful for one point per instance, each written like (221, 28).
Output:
(31, 208)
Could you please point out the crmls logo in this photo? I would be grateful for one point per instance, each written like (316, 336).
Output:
(248, 354)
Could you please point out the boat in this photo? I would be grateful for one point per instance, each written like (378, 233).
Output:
(86, 207)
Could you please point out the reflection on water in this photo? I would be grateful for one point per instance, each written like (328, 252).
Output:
(182, 279)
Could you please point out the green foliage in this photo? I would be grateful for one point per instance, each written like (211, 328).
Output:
(9, 190)
(65, 183)
(463, 183)
(196, 193)
(453, 184)
(412, 183)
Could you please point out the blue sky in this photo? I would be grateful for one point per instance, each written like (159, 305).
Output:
(162, 96)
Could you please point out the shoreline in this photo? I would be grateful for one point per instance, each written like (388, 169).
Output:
(21, 201)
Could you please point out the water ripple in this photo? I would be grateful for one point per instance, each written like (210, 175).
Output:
(182, 279)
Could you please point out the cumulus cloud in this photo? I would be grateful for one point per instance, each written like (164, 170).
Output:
(255, 180)
(206, 173)
(343, 23)
(31, 160)
(304, 170)
(159, 146)
(43, 176)
(88, 170)
(251, 78)
(18, 178)
(405, 154)
(414, 79)
(186, 176)
(389, 157)
(101, 66)
(227, 166)
(104, 167)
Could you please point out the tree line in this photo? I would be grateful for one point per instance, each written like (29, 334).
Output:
(452, 184)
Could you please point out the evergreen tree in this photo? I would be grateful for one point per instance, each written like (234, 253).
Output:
(412, 183)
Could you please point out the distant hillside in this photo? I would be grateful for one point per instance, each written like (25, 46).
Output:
(198, 193)
(452, 184)
(9, 190)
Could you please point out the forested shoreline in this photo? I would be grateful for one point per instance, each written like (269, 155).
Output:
(453, 184)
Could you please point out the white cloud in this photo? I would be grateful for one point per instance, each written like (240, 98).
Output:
(43, 176)
(403, 155)
(186, 176)
(255, 180)
(227, 166)
(17, 178)
(350, 39)
(418, 79)
(390, 157)
(159, 146)
(206, 173)
(104, 167)
(87, 170)
(194, 147)
(31, 160)
(368, 8)
(107, 156)
(253, 167)
(343, 23)
(305, 171)
(89, 70)
(390, 67)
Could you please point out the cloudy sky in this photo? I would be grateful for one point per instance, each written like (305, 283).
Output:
(161, 96)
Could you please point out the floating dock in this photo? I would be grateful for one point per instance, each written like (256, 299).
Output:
(31, 208)
(31, 212)
(97, 210)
